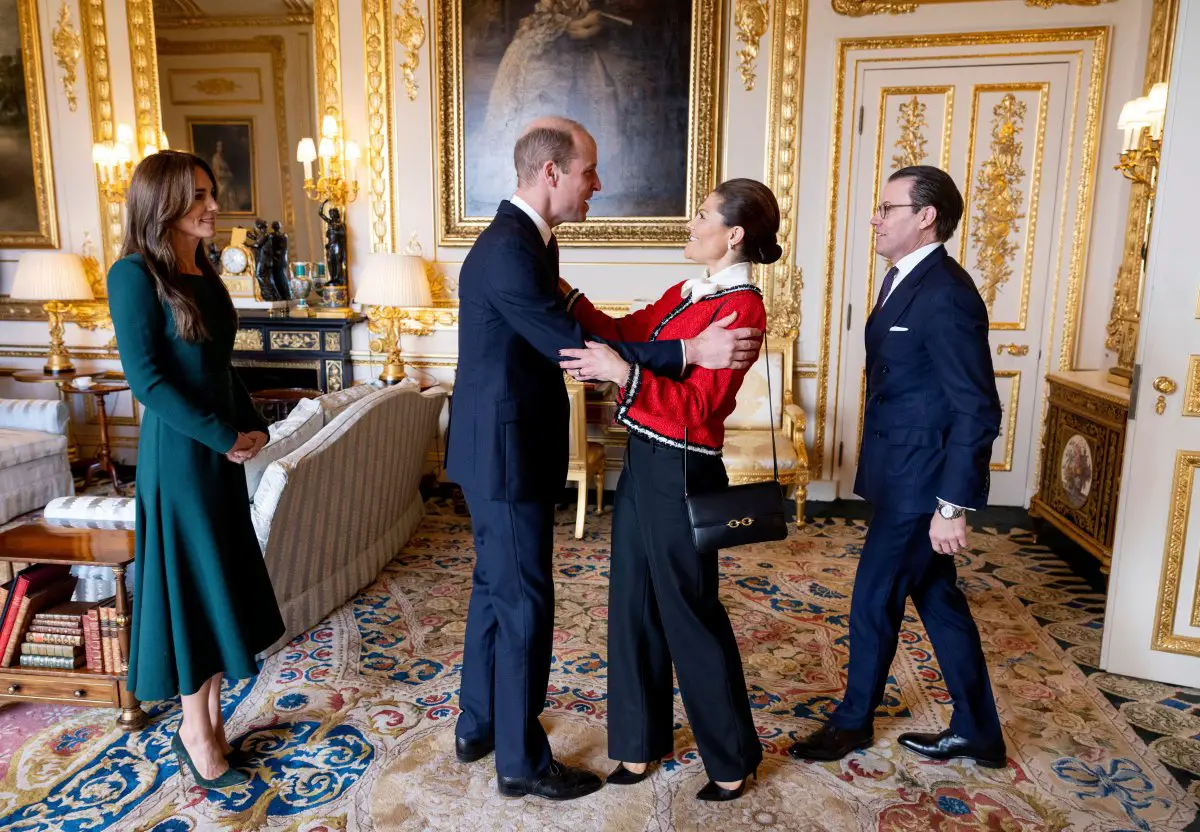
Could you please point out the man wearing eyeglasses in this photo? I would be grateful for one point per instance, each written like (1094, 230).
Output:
(931, 415)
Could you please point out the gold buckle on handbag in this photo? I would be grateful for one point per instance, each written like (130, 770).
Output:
(745, 521)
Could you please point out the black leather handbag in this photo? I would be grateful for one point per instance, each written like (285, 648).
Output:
(738, 514)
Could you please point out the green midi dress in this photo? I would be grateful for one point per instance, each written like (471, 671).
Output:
(203, 602)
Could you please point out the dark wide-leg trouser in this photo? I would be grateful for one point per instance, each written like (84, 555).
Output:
(664, 607)
(898, 561)
(510, 626)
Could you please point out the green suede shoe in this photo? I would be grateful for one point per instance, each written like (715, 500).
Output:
(230, 777)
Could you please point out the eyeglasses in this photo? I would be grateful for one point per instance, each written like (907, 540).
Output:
(883, 208)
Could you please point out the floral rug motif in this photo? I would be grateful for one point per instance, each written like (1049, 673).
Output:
(350, 726)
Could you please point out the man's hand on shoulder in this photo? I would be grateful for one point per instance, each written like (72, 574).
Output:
(721, 348)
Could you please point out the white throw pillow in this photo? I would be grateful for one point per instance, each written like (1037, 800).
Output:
(302, 424)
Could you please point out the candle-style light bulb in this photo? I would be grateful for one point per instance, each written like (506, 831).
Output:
(329, 127)
(306, 152)
(353, 154)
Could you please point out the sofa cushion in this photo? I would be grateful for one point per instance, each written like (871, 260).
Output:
(750, 451)
(332, 404)
(754, 411)
(45, 415)
(93, 511)
(302, 424)
(19, 446)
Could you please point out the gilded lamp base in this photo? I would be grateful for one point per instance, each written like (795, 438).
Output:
(393, 372)
(58, 364)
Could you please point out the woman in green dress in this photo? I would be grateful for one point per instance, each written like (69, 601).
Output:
(203, 604)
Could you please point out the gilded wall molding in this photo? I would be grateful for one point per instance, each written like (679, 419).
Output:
(275, 46)
(750, 19)
(139, 15)
(226, 21)
(1165, 638)
(782, 281)
(94, 30)
(377, 51)
(1090, 77)
(329, 61)
(68, 46)
(864, 8)
(46, 235)
(410, 32)
(1124, 317)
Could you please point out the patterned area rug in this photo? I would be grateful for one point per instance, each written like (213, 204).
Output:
(351, 726)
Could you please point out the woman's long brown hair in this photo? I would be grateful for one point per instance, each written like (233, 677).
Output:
(161, 192)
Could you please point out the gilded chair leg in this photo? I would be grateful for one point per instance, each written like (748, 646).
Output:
(581, 509)
(600, 493)
(801, 497)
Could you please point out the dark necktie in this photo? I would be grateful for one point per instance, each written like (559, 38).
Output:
(888, 280)
(552, 252)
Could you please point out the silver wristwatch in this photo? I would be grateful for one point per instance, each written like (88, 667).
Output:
(950, 512)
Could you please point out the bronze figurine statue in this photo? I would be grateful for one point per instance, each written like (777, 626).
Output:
(279, 261)
(335, 245)
(259, 241)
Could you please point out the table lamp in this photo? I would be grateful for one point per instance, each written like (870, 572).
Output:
(388, 286)
(57, 278)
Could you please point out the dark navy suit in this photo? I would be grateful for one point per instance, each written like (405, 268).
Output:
(932, 413)
(508, 452)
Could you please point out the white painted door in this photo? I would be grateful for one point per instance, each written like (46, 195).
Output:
(1000, 130)
(1152, 626)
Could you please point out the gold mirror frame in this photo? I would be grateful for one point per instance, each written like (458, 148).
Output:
(706, 71)
(33, 69)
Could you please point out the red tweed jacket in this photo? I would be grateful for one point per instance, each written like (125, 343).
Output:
(658, 408)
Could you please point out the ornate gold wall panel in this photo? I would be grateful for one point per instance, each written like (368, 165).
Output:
(274, 46)
(750, 20)
(1165, 637)
(377, 52)
(1009, 433)
(1091, 74)
(68, 46)
(94, 29)
(1191, 395)
(862, 8)
(46, 235)
(139, 15)
(329, 60)
(782, 281)
(995, 202)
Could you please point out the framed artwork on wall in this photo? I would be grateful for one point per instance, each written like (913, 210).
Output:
(643, 76)
(227, 144)
(27, 212)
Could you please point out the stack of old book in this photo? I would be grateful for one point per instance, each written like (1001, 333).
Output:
(40, 627)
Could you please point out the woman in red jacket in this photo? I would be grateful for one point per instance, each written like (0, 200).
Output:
(663, 602)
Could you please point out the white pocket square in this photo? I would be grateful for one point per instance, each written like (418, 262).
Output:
(898, 329)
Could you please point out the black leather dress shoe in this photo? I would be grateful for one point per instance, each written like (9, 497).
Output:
(468, 751)
(558, 782)
(950, 746)
(831, 743)
(622, 776)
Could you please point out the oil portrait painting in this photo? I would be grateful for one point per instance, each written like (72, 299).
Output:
(228, 147)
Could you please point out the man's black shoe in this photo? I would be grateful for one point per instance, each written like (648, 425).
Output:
(558, 782)
(950, 746)
(468, 751)
(831, 743)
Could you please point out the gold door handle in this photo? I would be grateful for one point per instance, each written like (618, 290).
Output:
(1165, 387)
(1013, 349)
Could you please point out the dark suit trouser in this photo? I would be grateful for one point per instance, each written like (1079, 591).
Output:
(898, 561)
(510, 626)
(663, 606)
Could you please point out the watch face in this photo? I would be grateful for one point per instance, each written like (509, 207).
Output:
(233, 260)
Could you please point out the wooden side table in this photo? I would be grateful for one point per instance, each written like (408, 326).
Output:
(103, 461)
(45, 542)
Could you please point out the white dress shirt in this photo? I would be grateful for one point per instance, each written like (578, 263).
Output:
(542, 225)
(907, 263)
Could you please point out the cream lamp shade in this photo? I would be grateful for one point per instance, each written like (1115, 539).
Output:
(50, 275)
(395, 280)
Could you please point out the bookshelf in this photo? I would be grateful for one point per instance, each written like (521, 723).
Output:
(44, 542)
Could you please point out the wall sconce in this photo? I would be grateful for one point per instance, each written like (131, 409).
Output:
(337, 160)
(57, 278)
(1142, 122)
(390, 286)
(114, 161)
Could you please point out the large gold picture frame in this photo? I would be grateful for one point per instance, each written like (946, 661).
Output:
(462, 214)
(27, 211)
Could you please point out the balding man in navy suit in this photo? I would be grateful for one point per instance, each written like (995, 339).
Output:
(931, 415)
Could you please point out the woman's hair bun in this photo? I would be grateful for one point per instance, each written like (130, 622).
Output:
(769, 252)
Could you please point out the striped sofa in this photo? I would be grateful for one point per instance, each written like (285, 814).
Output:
(331, 513)
(33, 455)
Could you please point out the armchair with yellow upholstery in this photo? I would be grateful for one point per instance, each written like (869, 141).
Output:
(585, 460)
(748, 429)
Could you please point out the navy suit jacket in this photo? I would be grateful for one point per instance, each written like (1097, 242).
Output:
(509, 418)
(932, 410)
